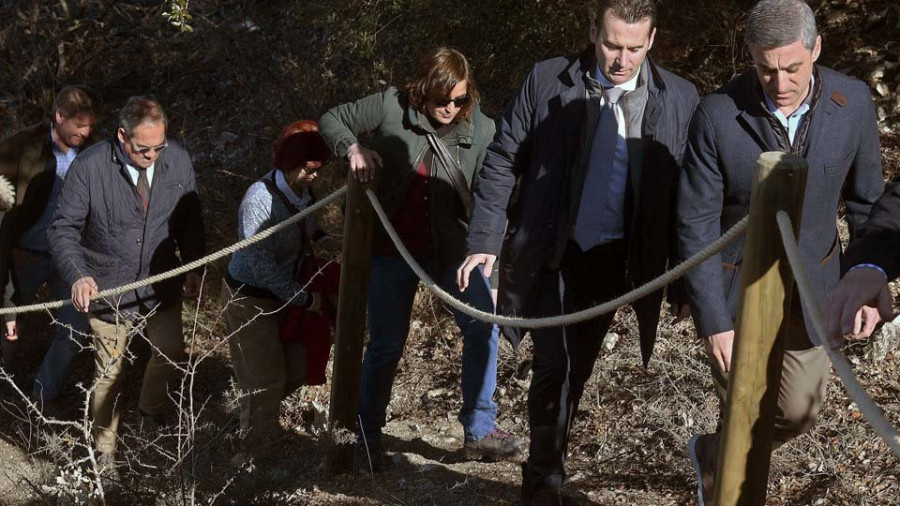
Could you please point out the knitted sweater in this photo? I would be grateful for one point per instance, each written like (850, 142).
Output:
(270, 264)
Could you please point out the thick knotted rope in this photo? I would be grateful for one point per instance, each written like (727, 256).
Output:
(189, 266)
(560, 320)
(845, 371)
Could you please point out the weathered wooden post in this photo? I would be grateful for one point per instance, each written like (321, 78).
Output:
(351, 326)
(766, 286)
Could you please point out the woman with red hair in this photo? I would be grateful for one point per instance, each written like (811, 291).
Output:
(261, 282)
(429, 141)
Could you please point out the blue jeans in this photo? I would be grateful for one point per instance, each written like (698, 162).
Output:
(392, 288)
(71, 330)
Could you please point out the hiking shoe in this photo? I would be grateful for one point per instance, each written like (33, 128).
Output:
(497, 445)
(705, 478)
(369, 458)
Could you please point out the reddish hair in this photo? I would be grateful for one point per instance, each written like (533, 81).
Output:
(297, 144)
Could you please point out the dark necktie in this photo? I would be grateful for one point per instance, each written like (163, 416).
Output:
(143, 188)
(597, 179)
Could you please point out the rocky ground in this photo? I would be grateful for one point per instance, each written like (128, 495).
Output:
(248, 68)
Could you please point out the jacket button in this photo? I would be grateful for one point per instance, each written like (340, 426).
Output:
(139, 240)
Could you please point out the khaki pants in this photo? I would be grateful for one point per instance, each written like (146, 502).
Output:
(804, 376)
(267, 368)
(162, 328)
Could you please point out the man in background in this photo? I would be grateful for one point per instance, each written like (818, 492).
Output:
(35, 160)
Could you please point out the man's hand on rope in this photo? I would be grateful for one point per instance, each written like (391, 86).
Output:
(719, 347)
(856, 304)
(471, 262)
(363, 162)
(11, 331)
(82, 291)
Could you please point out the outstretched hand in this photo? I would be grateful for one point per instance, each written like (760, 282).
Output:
(471, 262)
(856, 304)
(11, 331)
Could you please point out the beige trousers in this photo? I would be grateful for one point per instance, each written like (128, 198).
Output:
(804, 376)
(162, 328)
(267, 368)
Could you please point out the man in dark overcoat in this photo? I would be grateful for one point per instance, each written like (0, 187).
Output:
(594, 141)
(785, 103)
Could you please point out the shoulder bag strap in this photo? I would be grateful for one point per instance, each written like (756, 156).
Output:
(451, 167)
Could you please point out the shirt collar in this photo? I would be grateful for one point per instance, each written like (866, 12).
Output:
(282, 184)
(804, 107)
(629, 85)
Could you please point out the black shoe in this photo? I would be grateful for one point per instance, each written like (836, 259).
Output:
(369, 458)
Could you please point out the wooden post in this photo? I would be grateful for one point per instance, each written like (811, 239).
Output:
(351, 327)
(766, 286)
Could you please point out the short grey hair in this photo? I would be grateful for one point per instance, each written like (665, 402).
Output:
(778, 23)
(140, 110)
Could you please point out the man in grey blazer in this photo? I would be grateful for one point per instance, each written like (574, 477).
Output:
(785, 103)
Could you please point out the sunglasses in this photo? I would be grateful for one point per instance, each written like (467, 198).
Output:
(459, 102)
(144, 151)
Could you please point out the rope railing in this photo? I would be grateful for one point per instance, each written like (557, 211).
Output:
(559, 320)
(843, 368)
(212, 257)
(857, 392)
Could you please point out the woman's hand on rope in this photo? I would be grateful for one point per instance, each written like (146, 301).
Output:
(719, 347)
(471, 262)
(82, 292)
(11, 331)
(363, 162)
(855, 304)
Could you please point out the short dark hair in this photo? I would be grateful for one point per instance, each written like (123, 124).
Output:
(439, 72)
(139, 110)
(76, 100)
(630, 11)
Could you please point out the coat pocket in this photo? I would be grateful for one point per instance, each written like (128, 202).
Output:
(839, 167)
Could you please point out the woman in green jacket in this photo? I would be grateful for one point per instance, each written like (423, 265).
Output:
(429, 140)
